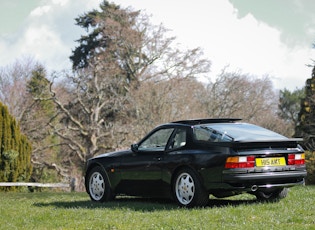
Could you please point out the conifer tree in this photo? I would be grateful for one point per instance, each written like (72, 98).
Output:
(36, 126)
(15, 150)
(306, 127)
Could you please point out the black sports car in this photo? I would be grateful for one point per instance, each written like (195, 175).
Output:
(191, 159)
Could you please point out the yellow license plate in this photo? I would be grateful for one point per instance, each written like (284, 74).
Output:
(272, 161)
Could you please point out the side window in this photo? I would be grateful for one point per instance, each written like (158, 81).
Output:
(178, 139)
(157, 141)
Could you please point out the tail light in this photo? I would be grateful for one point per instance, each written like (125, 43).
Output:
(296, 159)
(240, 162)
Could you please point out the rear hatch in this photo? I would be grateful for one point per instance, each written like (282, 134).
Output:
(258, 155)
(263, 164)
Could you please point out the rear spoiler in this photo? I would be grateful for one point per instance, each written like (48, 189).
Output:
(290, 143)
(287, 143)
(207, 121)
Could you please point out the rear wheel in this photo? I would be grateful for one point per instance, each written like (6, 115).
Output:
(187, 189)
(273, 195)
(98, 185)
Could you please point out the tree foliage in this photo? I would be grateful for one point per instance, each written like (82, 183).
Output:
(306, 117)
(290, 105)
(15, 150)
(36, 119)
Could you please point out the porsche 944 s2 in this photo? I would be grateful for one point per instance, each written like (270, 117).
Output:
(189, 160)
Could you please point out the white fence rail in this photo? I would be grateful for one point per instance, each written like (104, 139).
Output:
(72, 185)
(31, 184)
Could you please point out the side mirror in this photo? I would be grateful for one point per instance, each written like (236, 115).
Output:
(134, 148)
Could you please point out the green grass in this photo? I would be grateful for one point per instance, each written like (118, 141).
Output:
(49, 210)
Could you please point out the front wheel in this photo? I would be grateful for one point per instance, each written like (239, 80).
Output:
(274, 195)
(188, 190)
(98, 185)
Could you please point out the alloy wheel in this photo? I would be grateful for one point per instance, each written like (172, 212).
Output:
(97, 186)
(185, 188)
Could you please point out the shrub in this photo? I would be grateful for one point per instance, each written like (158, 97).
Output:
(15, 151)
(310, 166)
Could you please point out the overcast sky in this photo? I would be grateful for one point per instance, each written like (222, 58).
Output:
(265, 37)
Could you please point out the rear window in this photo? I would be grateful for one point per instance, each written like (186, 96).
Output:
(228, 132)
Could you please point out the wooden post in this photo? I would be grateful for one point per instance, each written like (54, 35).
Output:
(72, 184)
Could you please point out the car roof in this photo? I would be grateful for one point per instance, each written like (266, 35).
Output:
(207, 121)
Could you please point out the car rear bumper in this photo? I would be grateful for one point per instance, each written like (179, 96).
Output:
(254, 181)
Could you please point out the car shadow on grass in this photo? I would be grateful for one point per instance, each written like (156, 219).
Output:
(218, 203)
(139, 204)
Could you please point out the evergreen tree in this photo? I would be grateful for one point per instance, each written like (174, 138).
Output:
(36, 125)
(290, 106)
(15, 150)
(306, 127)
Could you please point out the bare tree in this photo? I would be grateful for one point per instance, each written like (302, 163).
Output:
(13, 79)
(121, 52)
(238, 95)
(164, 101)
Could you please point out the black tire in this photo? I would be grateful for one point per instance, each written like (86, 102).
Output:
(272, 196)
(98, 186)
(188, 190)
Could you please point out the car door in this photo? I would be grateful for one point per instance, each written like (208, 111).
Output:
(141, 171)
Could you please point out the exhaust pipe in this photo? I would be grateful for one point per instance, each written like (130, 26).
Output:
(254, 188)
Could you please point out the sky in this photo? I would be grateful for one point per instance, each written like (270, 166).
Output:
(273, 38)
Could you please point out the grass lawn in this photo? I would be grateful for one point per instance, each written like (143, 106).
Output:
(60, 210)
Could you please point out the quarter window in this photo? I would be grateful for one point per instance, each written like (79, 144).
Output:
(208, 134)
(179, 139)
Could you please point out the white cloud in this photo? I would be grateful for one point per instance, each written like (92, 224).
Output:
(44, 43)
(244, 44)
(48, 34)
(60, 2)
(39, 11)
